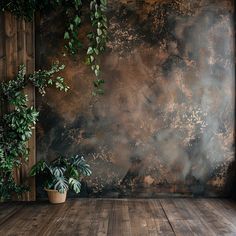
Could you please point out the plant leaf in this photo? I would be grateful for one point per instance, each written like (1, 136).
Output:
(75, 185)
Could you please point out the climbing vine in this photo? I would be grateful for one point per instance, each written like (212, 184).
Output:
(73, 11)
(16, 125)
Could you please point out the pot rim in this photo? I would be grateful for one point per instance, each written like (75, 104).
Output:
(54, 190)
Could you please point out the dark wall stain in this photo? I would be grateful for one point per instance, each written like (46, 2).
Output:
(165, 125)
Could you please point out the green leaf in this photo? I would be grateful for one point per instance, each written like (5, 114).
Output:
(98, 40)
(38, 168)
(77, 3)
(90, 51)
(58, 171)
(96, 51)
(99, 31)
(91, 58)
(97, 72)
(75, 185)
(71, 27)
(100, 91)
(98, 82)
(97, 14)
(104, 2)
(66, 35)
(61, 184)
(91, 5)
(77, 20)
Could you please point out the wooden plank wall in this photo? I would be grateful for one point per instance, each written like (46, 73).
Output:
(17, 46)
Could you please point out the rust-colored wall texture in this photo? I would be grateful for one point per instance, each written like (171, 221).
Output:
(165, 125)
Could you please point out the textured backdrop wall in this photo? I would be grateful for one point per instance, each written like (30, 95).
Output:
(165, 125)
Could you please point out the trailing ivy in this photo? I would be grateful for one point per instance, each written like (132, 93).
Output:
(71, 34)
(97, 39)
(73, 9)
(17, 124)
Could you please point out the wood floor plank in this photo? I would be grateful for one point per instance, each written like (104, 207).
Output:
(184, 221)
(156, 220)
(69, 220)
(225, 208)
(176, 216)
(219, 216)
(137, 218)
(31, 218)
(7, 211)
(104, 218)
(54, 220)
(42, 217)
(216, 222)
(88, 210)
(205, 228)
(126, 217)
(175, 210)
(119, 222)
(95, 219)
(19, 218)
(115, 217)
(76, 220)
(227, 203)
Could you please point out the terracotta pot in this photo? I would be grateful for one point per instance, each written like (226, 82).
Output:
(55, 197)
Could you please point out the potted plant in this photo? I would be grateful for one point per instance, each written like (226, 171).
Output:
(60, 175)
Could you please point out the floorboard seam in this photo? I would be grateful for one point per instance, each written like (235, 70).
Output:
(167, 218)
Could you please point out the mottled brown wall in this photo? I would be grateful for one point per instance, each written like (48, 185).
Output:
(165, 125)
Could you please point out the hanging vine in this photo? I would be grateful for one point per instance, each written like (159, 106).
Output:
(73, 14)
(73, 9)
(97, 39)
(17, 124)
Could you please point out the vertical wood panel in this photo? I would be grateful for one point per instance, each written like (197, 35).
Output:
(11, 58)
(10, 45)
(2, 56)
(27, 56)
(16, 48)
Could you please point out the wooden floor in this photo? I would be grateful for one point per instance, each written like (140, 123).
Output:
(120, 217)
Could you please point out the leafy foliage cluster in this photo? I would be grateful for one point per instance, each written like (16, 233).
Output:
(16, 125)
(73, 9)
(62, 173)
